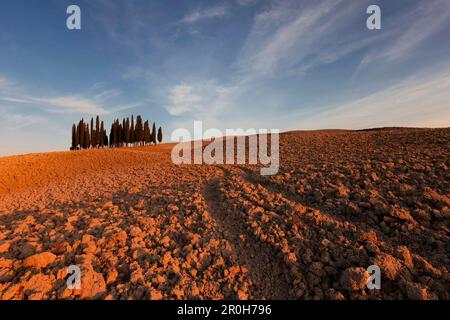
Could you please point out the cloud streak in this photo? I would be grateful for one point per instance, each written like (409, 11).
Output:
(19, 121)
(205, 14)
(95, 105)
(419, 101)
(201, 98)
(285, 34)
(183, 100)
(410, 30)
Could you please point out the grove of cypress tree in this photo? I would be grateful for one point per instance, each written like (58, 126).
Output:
(122, 133)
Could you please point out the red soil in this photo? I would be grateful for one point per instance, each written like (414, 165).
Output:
(141, 227)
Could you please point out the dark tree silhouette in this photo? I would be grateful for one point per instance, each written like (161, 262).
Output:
(146, 133)
(99, 133)
(111, 136)
(132, 137)
(74, 137)
(79, 134)
(127, 131)
(123, 136)
(154, 133)
(160, 135)
(77, 137)
(100, 138)
(115, 133)
(82, 132)
(93, 140)
(122, 133)
(105, 138)
(138, 130)
(87, 138)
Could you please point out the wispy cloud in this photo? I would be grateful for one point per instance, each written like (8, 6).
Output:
(183, 100)
(19, 121)
(63, 104)
(204, 14)
(4, 83)
(419, 101)
(71, 104)
(289, 35)
(95, 105)
(199, 98)
(247, 3)
(410, 30)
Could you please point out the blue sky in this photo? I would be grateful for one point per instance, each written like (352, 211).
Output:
(238, 63)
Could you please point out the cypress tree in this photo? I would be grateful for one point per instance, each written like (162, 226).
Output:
(82, 133)
(146, 133)
(79, 134)
(111, 136)
(132, 137)
(74, 139)
(124, 138)
(105, 138)
(127, 131)
(77, 137)
(120, 133)
(153, 139)
(160, 134)
(101, 133)
(83, 128)
(87, 138)
(93, 140)
(115, 133)
(138, 130)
